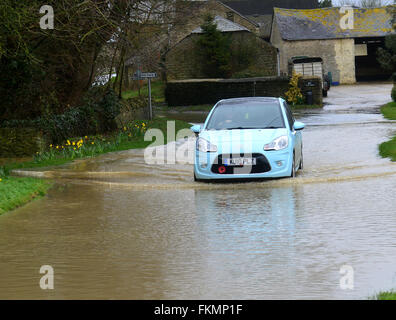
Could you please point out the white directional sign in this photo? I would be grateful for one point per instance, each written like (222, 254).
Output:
(144, 75)
(138, 75)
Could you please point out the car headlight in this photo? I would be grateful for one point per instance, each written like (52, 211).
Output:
(278, 144)
(205, 146)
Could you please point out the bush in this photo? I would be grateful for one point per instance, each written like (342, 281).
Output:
(96, 115)
(393, 93)
(294, 94)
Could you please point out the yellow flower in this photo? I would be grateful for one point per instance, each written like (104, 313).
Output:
(74, 148)
(74, 143)
(86, 137)
(57, 147)
(125, 129)
(1, 179)
(92, 142)
(50, 145)
(68, 142)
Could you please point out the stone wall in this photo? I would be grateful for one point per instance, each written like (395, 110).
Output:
(338, 55)
(19, 142)
(184, 62)
(209, 91)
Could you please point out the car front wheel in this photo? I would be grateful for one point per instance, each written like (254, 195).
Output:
(301, 166)
(293, 170)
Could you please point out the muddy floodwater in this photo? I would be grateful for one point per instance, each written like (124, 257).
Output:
(115, 227)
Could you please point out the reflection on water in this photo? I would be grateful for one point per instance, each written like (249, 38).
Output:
(115, 227)
(284, 242)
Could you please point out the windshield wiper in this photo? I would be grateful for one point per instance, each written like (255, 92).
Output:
(247, 128)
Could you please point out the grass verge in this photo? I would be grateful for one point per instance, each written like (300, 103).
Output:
(15, 192)
(386, 295)
(130, 136)
(389, 110)
(157, 91)
(388, 148)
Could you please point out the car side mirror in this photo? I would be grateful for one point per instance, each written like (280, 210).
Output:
(298, 126)
(196, 129)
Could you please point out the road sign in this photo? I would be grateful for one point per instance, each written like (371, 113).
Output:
(144, 75)
(138, 75)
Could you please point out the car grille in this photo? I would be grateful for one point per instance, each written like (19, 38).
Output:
(262, 165)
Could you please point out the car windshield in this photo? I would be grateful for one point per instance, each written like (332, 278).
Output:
(246, 115)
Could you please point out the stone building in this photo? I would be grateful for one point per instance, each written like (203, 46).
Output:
(349, 54)
(183, 61)
(261, 11)
(191, 14)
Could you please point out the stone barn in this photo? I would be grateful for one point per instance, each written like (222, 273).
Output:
(183, 62)
(349, 54)
(261, 11)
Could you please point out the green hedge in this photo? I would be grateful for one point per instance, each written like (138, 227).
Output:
(19, 142)
(96, 115)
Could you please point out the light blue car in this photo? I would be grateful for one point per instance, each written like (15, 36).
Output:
(248, 138)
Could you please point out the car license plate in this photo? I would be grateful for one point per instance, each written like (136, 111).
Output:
(239, 162)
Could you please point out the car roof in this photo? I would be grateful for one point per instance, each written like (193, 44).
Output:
(248, 99)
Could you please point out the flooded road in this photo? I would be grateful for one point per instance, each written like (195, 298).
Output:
(115, 227)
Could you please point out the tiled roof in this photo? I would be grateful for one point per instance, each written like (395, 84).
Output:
(260, 7)
(224, 25)
(325, 23)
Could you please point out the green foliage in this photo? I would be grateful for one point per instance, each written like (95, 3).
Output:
(325, 3)
(224, 56)
(129, 137)
(388, 148)
(389, 110)
(157, 92)
(96, 115)
(137, 103)
(294, 94)
(387, 56)
(4, 171)
(15, 192)
(42, 70)
(387, 295)
(214, 49)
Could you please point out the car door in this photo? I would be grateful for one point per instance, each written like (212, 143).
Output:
(296, 134)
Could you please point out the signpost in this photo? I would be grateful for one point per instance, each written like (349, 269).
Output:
(138, 75)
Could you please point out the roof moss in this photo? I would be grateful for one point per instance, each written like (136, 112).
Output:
(324, 23)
